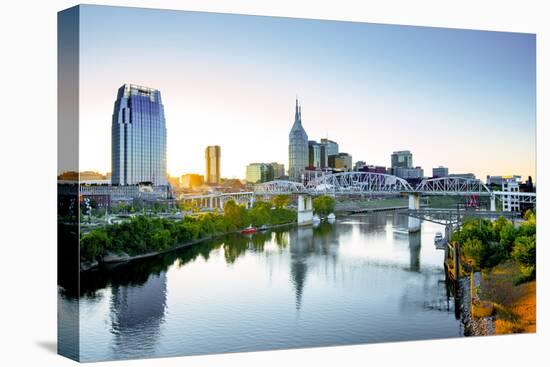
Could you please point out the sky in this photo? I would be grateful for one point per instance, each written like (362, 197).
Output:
(459, 98)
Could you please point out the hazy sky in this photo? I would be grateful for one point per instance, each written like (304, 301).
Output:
(458, 98)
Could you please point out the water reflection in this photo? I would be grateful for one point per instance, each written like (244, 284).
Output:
(414, 248)
(361, 279)
(137, 311)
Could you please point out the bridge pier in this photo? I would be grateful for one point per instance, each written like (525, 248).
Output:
(493, 203)
(414, 204)
(305, 210)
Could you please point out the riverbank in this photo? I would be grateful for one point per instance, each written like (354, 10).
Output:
(514, 305)
(112, 258)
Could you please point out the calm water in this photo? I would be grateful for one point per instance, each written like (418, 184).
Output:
(362, 279)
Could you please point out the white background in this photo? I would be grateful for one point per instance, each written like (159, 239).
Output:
(28, 191)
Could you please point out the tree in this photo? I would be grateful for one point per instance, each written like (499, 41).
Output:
(498, 225)
(93, 244)
(324, 205)
(234, 214)
(525, 253)
(529, 215)
(525, 250)
(473, 250)
(508, 234)
(280, 201)
(260, 213)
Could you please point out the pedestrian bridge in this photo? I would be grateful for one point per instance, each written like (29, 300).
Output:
(370, 183)
(363, 183)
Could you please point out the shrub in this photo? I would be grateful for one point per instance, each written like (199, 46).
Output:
(324, 205)
(524, 251)
(474, 251)
(507, 236)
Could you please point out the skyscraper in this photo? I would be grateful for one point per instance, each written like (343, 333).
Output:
(138, 134)
(259, 172)
(402, 159)
(212, 156)
(331, 146)
(314, 155)
(440, 172)
(298, 154)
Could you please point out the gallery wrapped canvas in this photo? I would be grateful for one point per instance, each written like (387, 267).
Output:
(232, 183)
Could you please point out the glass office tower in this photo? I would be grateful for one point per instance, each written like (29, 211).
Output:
(298, 152)
(138, 137)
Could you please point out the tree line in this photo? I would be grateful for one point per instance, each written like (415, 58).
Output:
(485, 244)
(143, 234)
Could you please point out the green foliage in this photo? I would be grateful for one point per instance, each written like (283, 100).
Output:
(525, 250)
(280, 201)
(474, 250)
(498, 225)
(323, 205)
(260, 213)
(487, 244)
(529, 215)
(507, 235)
(482, 229)
(142, 234)
(92, 244)
(235, 215)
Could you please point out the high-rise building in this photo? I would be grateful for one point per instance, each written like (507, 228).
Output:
(298, 153)
(278, 170)
(402, 158)
(340, 162)
(314, 154)
(440, 172)
(259, 172)
(138, 134)
(409, 173)
(212, 155)
(330, 146)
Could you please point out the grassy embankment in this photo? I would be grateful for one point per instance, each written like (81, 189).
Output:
(515, 305)
(506, 256)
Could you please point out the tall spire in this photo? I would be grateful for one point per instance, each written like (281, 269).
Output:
(297, 115)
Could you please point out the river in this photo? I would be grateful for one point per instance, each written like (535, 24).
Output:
(362, 279)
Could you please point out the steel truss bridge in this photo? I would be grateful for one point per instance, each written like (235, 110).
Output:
(370, 183)
(363, 183)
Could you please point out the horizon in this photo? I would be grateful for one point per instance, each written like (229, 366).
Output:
(231, 80)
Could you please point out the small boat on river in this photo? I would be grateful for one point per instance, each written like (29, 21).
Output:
(249, 230)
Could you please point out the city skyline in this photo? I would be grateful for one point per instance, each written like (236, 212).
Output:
(360, 84)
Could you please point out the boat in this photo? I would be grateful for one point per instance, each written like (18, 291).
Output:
(249, 230)
(331, 217)
(316, 219)
(439, 241)
(263, 227)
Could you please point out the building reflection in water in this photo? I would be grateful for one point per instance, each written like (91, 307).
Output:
(414, 248)
(137, 313)
(301, 245)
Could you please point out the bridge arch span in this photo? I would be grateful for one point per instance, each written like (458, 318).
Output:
(279, 187)
(359, 182)
(453, 186)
